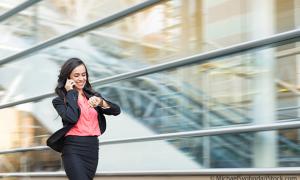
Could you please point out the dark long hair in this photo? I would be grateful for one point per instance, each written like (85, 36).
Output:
(65, 73)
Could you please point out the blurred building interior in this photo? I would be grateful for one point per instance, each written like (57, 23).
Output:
(254, 87)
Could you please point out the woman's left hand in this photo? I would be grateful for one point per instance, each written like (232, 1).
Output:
(95, 101)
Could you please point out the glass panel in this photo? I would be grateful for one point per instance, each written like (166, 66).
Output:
(176, 29)
(288, 81)
(233, 90)
(260, 86)
(169, 30)
(28, 125)
(6, 5)
(34, 161)
(50, 18)
(224, 151)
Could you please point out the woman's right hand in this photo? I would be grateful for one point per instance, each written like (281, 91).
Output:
(69, 84)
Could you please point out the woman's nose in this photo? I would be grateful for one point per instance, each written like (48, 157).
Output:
(81, 78)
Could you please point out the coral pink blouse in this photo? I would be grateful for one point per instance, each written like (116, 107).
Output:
(87, 124)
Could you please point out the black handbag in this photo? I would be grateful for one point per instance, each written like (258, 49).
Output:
(56, 140)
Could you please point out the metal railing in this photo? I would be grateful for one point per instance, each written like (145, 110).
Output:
(76, 32)
(18, 8)
(274, 40)
(198, 133)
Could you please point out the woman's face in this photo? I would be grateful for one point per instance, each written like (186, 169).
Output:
(79, 76)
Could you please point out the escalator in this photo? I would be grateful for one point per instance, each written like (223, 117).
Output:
(170, 112)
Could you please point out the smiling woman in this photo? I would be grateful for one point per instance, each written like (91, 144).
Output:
(82, 111)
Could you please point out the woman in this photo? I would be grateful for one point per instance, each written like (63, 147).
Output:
(82, 111)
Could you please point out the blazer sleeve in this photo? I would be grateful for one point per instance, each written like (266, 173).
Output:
(113, 109)
(69, 111)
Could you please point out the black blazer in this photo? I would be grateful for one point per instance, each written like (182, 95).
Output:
(69, 111)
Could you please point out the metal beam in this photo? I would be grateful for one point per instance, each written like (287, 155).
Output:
(267, 42)
(198, 133)
(18, 8)
(76, 32)
(101, 33)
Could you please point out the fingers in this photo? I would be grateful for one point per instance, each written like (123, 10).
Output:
(90, 103)
(94, 101)
(69, 84)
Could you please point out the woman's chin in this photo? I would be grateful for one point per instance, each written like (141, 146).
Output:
(79, 87)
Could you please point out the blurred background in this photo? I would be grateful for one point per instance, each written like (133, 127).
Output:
(252, 87)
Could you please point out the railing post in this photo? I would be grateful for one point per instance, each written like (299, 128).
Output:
(264, 105)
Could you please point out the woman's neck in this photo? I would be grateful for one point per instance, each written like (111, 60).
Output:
(80, 91)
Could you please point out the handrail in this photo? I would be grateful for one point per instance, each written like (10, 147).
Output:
(200, 172)
(288, 108)
(17, 9)
(277, 39)
(73, 33)
(197, 133)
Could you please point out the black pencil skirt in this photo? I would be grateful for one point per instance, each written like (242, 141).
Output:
(80, 157)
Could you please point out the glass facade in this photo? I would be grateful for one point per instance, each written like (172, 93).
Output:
(255, 87)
